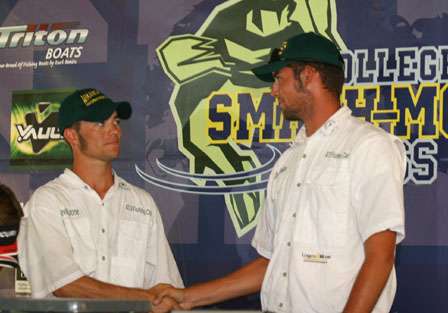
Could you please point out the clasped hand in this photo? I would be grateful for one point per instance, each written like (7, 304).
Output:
(165, 297)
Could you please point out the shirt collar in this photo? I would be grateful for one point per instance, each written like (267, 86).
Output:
(70, 177)
(328, 127)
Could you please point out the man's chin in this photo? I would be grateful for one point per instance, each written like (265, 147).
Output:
(113, 154)
(113, 148)
(110, 157)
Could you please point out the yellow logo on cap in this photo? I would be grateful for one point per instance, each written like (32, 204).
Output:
(91, 97)
(282, 47)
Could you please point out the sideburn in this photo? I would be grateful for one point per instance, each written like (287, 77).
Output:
(299, 86)
(82, 142)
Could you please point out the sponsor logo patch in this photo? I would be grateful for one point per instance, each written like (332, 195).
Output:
(139, 210)
(69, 212)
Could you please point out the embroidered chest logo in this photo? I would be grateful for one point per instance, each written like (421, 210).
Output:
(335, 155)
(316, 258)
(139, 210)
(69, 212)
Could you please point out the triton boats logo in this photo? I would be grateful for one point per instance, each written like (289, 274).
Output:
(42, 34)
(52, 36)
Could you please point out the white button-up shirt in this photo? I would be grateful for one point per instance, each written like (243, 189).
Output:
(327, 194)
(68, 232)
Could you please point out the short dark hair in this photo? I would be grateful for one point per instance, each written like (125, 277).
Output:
(10, 208)
(332, 76)
(76, 126)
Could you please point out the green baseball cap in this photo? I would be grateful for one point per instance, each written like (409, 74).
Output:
(306, 47)
(90, 105)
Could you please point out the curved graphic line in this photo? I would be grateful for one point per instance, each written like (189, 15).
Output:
(211, 178)
(265, 168)
(213, 190)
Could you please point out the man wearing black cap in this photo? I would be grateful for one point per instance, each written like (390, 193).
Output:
(89, 233)
(334, 209)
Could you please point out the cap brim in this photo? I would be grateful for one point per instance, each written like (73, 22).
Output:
(124, 110)
(265, 72)
(101, 111)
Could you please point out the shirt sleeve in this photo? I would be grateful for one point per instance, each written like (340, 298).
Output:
(263, 240)
(379, 167)
(160, 266)
(41, 238)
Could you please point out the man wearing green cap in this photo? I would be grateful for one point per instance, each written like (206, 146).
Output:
(89, 233)
(334, 209)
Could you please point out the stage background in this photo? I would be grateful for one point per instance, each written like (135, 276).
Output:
(198, 111)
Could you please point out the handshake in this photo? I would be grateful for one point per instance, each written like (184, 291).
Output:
(165, 297)
(244, 281)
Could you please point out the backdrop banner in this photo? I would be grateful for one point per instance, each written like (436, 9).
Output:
(205, 132)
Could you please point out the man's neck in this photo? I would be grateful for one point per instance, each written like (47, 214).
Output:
(322, 111)
(98, 175)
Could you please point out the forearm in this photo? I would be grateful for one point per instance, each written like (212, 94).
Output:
(372, 277)
(368, 287)
(246, 280)
(86, 287)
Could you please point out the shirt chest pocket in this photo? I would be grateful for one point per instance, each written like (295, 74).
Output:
(132, 239)
(80, 236)
(128, 264)
(334, 173)
(325, 215)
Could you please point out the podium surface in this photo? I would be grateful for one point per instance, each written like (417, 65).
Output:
(69, 305)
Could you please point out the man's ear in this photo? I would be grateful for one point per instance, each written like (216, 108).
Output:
(308, 74)
(71, 136)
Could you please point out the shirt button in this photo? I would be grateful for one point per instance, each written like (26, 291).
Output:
(299, 184)
(294, 215)
(103, 258)
(304, 155)
(280, 304)
(284, 274)
(103, 230)
(289, 243)
(86, 188)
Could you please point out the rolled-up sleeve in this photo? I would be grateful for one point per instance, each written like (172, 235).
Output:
(379, 167)
(160, 265)
(45, 252)
(263, 240)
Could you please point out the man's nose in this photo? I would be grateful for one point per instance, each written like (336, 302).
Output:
(115, 128)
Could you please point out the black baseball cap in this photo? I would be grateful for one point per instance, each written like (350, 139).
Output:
(306, 47)
(90, 105)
